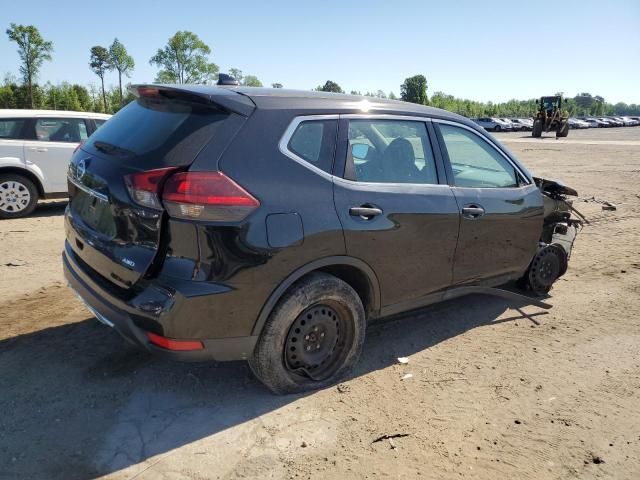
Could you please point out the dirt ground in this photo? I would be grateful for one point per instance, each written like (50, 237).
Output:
(497, 392)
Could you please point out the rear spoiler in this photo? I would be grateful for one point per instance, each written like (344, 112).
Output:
(224, 98)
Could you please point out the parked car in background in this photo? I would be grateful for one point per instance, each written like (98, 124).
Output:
(612, 121)
(514, 126)
(180, 235)
(596, 123)
(35, 149)
(633, 122)
(522, 124)
(626, 121)
(494, 124)
(577, 123)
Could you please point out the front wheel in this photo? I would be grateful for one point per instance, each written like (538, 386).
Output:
(313, 337)
(537, 129)
(497, 128)
(18, 196)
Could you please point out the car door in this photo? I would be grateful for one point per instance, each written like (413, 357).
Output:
(501, 208)
(397, 212)
(51, 146)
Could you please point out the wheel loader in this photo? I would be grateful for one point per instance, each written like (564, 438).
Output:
(551, 117)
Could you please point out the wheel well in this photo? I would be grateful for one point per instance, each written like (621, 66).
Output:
(25, 173)
(358, 280)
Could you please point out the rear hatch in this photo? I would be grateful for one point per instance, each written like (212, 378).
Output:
(114, 224)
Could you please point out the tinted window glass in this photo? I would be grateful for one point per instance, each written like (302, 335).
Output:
(474, 162)
(99, 122)
(158, 132)
(314, 141)
(390, 151)
(61, 130)
(11, 128)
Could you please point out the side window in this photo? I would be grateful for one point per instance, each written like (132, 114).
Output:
(390, 151)
(314, 141)
(99, 122)
(475, 163)
(61, 130)
(11, 128)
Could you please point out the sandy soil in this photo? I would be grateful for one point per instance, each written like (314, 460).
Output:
(497, 391)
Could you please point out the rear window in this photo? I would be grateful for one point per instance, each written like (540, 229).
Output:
(166, 132)
(11, 128)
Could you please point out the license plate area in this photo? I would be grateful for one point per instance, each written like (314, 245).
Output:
(96, 213)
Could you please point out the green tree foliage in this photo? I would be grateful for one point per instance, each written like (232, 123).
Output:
(414, 90)
(184, 60)
(251, 81)
(330, 86)
(392, 96)
(100, 63)
(33, 51)
(237, 74)
(121, 61)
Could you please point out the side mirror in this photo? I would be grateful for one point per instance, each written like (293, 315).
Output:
(360, 150)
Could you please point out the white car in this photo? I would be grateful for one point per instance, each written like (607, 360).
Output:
(35, 149)
(494, 124)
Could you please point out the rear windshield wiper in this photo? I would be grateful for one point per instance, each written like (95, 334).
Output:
(111, 149)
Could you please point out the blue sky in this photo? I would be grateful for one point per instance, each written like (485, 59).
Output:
(483, 50)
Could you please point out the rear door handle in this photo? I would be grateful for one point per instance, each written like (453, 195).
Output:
(39, 149)
(364, 212)
(472, 212)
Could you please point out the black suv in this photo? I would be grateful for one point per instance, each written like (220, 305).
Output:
(227, 223)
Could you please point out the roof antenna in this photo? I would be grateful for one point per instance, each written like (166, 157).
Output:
(224, 79)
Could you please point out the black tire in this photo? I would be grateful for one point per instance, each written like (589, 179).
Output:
(497, 128)
(18, 196)
(537, 129)
(563, 130)
(320, 298)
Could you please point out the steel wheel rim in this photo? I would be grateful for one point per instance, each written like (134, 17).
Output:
(318, 341)
(14, 196)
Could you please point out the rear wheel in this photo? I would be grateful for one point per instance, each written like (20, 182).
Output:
(313, 337)
(497, 128)
(18, 196)
(537, 129)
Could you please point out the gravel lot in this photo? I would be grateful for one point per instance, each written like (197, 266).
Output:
(497, 391)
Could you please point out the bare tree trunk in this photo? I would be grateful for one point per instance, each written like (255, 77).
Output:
(120, 82)
(31, 93)
(104, 96)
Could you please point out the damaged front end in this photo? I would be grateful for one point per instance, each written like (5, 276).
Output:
(559, 231)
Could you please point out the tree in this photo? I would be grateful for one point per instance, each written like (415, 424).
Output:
(184, 60)
(121, 61)
(276, 85)
(392, 96)
(330, 86)
(414, 90)
(237, 74)
(100, 63)
(251, 81)
(33, 51)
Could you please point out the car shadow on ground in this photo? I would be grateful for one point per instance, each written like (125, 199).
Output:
(50, 208)
(78, 402)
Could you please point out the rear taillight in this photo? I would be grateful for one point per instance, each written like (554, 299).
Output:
(208, 196)
(144, 187)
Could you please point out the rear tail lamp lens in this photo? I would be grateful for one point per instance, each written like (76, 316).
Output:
(207, 196)
(144, 187)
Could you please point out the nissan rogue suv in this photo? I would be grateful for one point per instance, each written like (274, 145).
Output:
(228, 223)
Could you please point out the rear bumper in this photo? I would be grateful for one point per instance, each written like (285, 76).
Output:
(125, 317)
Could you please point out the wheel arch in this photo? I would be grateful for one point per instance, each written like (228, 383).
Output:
(353, 271)
(25, 173)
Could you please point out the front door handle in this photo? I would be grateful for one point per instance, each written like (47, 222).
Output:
(472, 212)
(365, 212)
(39, 149)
